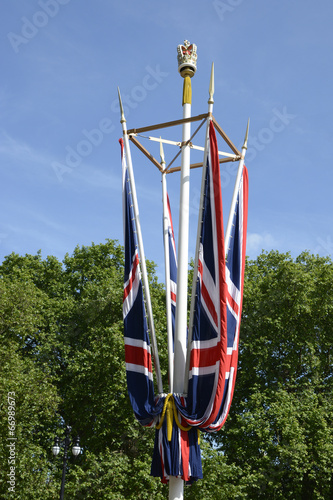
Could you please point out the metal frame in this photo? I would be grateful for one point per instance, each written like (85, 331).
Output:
(228, 157)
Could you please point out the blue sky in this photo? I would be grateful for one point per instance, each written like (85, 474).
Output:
(62, 61)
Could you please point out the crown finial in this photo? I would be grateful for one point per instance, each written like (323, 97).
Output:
(187, 59)
(122, 116)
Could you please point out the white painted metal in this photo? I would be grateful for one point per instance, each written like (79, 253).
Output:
(165, 141)
(176, 484)
(182, 274)
(189, 339)
(192, 146)
(141, 250)
(221, 153)
(176, 488)
(167, 272)
(235, 193)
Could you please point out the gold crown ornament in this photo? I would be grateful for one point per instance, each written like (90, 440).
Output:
(187, 59)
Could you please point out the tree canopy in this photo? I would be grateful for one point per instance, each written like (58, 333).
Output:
(62, 357)
(279, 430)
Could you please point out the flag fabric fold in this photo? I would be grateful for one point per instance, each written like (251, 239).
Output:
(207, 377)
(176, 449)
(213, 349)
(136, 337)
(180, 457)
(235, 267)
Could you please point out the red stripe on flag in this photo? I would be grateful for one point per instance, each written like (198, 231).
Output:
(209, 303)
(137, 356)
(128, 288)
(201, 358)
(233, 304)
(185, 450)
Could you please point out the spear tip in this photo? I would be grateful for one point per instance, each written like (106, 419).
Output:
(162, 152)
(122, 116)
(211, 86)
(246, 134)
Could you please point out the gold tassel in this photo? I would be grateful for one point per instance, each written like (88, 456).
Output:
(187, 91)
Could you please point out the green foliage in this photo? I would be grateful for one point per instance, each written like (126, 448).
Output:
(114, 476)
(28, 395)
(62, 355)
(221, 480)
(62, 334)
(280, 424)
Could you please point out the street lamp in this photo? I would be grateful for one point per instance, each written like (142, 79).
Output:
(75, 451)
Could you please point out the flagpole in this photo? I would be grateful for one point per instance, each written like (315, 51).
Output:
(167, 270)
(141, 248)
(187, 67)
(182, 258)
(194, 282)
(236, 188)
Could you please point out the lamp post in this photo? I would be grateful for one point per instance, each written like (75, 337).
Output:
(75, 451)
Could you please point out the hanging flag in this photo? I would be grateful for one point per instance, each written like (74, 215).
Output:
(136, 337)
(235, 266)
(176, 448)
(207, 376)
(173, 266)
(180, 455)
(215, 331)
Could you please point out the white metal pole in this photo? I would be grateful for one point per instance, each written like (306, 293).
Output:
(141, 249)
(182, 259)
(235, 193)
(167, 271)
(176, 484)
(194, 284)
(187, 67)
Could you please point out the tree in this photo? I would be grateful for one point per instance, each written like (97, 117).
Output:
(72, 330)
(28, 395)
(62, 345)
(280, 424)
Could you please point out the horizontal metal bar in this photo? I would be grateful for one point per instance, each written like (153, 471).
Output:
(198, 165)
(167, 124)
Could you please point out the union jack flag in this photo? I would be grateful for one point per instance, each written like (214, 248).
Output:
(218, 303)
(215, 330)
(209, 333)
(136, 337)
(235, 266)
(180, 457)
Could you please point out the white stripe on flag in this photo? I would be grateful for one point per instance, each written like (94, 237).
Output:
(130, 299)
(137, 343)
(232, 289)
(130, 367)
(205, 370)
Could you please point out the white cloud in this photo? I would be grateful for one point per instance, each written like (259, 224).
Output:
(256, 242)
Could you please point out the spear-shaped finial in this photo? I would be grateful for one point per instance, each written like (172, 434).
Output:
(246, 134)
(122, 116)
(211, 86)
(162, 153)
